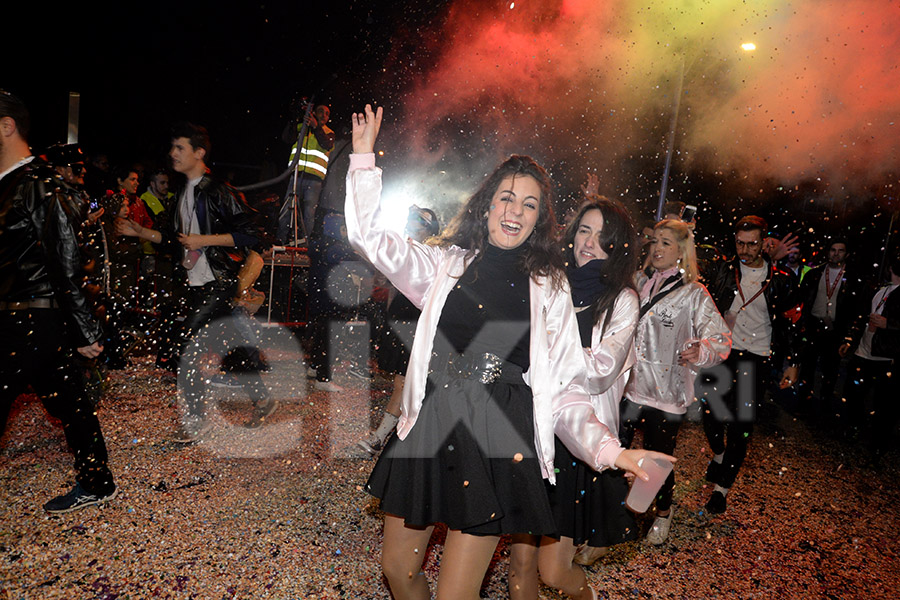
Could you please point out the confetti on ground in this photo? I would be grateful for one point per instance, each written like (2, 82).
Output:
(282, 513)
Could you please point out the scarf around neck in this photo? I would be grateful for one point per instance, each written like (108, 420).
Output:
(587, 282)
(658, 276)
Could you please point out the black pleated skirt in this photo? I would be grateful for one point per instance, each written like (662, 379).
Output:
(469, 462)
(589, 506)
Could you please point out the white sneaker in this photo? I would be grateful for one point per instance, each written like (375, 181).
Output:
(659, 532)
(372, 445)
(587, 555)
(327, 386)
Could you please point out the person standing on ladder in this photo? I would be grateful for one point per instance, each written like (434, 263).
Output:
(315, 147)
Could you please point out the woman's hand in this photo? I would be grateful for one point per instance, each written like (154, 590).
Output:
(591, 187)
(365, 129)
(628, 460)
(690, 355)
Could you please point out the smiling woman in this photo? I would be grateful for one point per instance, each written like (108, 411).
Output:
(586, 245)
(588, 507)
(514, 211)
(495, 371)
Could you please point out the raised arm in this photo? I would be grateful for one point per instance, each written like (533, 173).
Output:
(410, 266)
(366, 126)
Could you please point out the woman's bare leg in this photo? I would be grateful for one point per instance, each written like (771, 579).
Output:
(393, 405)
(523, 567)
(402, 556)
(558, 571)
(465, 561)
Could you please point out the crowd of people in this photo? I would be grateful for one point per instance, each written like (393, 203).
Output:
(527, 360)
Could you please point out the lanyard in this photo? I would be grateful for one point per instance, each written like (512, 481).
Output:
(886, 292)
(762, 289)
(829, 289)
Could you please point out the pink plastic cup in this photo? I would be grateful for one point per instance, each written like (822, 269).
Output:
(642, 493)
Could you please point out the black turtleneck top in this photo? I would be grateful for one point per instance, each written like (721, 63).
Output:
(488, 310)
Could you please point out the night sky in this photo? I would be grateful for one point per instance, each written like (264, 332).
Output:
(234, 67)
(804, 128)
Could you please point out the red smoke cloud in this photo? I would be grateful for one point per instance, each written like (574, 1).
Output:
(593, 82)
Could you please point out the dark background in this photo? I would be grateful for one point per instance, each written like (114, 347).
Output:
(238, 68)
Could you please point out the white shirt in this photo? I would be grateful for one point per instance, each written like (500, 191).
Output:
(824, 307)
(865, 344)
(200, 273)
(24, 161)
(752, 329)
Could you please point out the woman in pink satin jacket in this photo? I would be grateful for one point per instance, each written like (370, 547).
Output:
(496, 370)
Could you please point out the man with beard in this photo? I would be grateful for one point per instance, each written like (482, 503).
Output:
(753, 296)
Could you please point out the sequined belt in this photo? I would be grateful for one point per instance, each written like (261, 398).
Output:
(484, 368)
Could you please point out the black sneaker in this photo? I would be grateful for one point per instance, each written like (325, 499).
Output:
(75, 499)
(716, 503)
(224, 380)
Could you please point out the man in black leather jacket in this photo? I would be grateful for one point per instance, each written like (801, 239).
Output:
(214, 228)
(753, 296)
(44, 315)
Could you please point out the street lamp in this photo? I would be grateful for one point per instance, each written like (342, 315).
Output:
(746, 47)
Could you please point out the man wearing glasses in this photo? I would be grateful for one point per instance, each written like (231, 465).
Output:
(753, 295)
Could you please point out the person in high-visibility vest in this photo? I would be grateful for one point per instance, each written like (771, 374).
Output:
(156, 268)
(311, 170)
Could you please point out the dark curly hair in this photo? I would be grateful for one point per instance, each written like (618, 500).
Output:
(619, 240)
(469, 229)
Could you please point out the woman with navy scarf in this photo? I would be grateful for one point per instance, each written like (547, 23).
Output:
(588, 507)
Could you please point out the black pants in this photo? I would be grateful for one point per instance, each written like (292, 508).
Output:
(34, 351)
(865, 376)
(820, 350)
(208, 304)
(660, 434)
(728, 417)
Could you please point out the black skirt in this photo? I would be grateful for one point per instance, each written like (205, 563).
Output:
(589, 506)
(469, 462)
